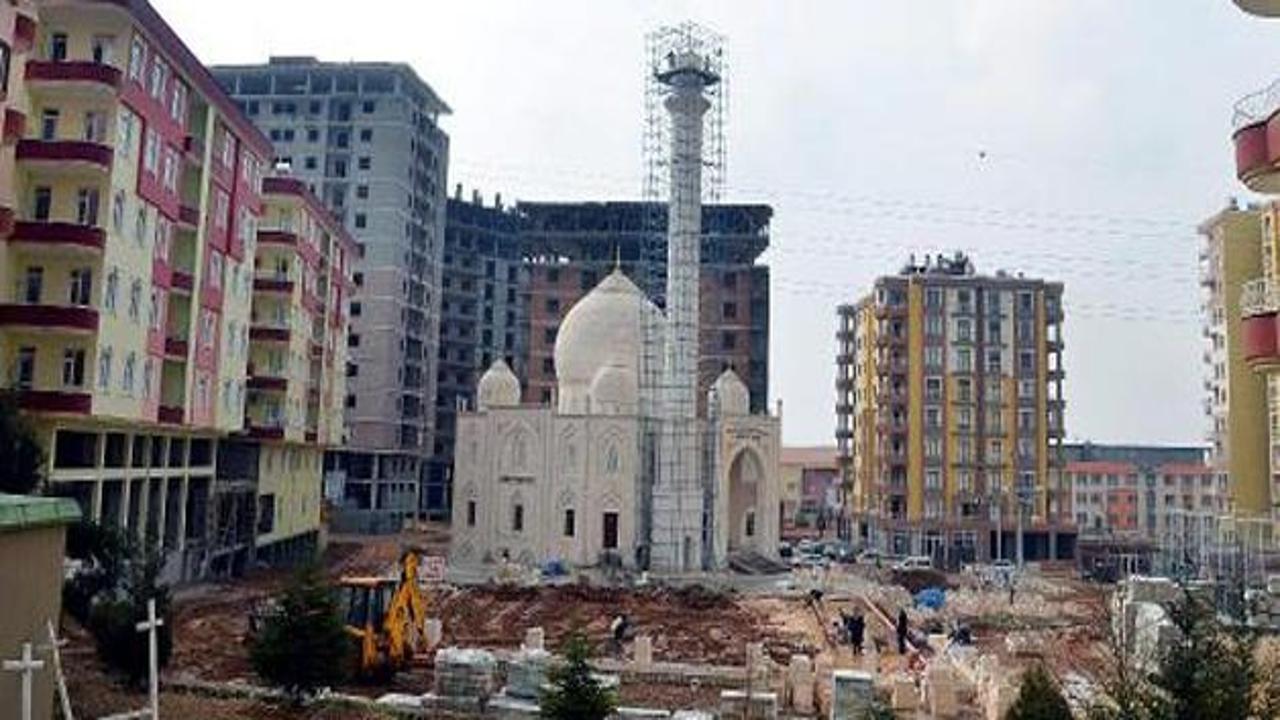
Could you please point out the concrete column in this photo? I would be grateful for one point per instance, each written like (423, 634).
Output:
(126, 491)
(643, 651)
(182, 515)
(96, 503)
(534, 639)
(800, 684)
(161, 520)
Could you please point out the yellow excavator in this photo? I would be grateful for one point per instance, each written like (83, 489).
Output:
(386, 616)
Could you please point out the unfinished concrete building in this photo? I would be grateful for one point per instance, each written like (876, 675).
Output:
(570, 246)
(482, 319)
(366, 137)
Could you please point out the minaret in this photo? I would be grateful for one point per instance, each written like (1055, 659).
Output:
(678, 496)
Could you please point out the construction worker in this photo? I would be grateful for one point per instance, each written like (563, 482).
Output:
(902, 631)
(857, 628)
(619, 629)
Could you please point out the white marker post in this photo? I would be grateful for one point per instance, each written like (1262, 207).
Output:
(27, 665)
(149, 626)
(55, 655)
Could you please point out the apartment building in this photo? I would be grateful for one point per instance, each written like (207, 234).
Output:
(1235, 331)
(294, 344)
(366, 139)
(570, 246)
(482, 318)
(950, 413)
(812, 496)
(1142, 492)
(134, 197)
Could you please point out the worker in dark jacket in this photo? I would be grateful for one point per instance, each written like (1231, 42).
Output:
(902, 631)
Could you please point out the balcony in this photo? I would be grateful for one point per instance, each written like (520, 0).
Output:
(181, 281)
(188, 216)
(277, 237)
(267, 382)
(265, 432)
(15, 125)
(74, 154)
(58, 318)
(171, 414)
(193, 149)
(1259, 340)
(1261, 8)
(176, 348)
(264, 333)
(59, 235)
(55, 401)
(273, 285)
(77, 77)
(1259, 296)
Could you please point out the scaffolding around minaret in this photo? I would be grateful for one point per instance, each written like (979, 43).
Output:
(685, 103)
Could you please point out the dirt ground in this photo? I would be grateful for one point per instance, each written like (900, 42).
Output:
(688, 625)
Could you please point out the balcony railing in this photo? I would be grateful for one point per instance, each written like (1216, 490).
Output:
(59, 234)
(73, 318)
(90, 73)
(76, 151)
(1259, 296)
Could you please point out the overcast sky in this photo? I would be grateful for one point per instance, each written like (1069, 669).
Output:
(1076, 140)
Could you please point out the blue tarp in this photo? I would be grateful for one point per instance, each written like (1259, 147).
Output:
(932, 598)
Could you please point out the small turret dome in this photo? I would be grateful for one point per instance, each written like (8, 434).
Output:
(732, 394)
(498, 387)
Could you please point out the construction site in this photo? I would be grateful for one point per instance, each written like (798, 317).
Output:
(694, 645)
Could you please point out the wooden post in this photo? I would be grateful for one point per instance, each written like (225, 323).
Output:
(149, 626)
(56, 657)
(26, 665)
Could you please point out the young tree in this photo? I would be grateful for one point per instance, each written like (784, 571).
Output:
(303, 645)
(21, 456)
(574, 693)
(1208, 671)
(115, 613)
(1039, 698)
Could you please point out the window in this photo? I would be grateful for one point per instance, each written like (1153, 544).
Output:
(310, 162)
(178, 101)
(33, 285)
(362, 192)
(933, 298)
(932, 417)
(42, 203)
(517, 518)
(80, 288)
(87, 206)
(471, 513)
(367, 107)
(1026, 362)
(73, 368)
(117, 211)
(964, 330)
(135, 300)
(151, 152)
(58, 47)
(729, 311)
(932, 448)
(728, 341)
(964, 390)
(170, 170)
(140, 226)
(933, 389)
(109, 292)
(100, 48)
(24, 374)
(104, 369)
(124, 133)
(610, 528)
(6, 55)
(159, 71)
(95, 127)
(49, 124)
(933, 356)
(993, 361)
(549, 335)
(126, 378)
(569, 527)
(364, 162)
(933, 480)
(153, 310)
(137, 59)
(313, 135)
(933, 326)
(360, 221)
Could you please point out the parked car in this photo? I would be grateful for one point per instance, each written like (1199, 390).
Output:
(914, 562)
(870, 556)
(841, 551)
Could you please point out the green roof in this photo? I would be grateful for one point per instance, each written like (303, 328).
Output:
(26, 511)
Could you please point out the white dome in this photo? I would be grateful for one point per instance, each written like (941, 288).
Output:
(615, 391)
(602, 329)
(732, 394)
(498, 387)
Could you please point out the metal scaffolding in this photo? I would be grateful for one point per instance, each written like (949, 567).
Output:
(684, 160)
